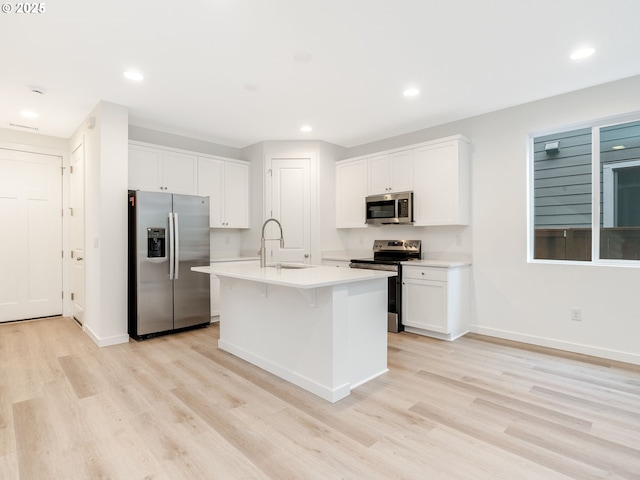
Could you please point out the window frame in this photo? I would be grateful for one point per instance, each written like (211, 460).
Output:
(595, 126)
(609, 188)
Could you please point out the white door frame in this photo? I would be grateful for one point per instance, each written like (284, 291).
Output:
(77, 251)
(313, 199)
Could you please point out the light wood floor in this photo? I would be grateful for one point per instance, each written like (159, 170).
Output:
(176, 407)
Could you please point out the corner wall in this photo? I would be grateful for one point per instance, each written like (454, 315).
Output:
(106, 176)
(524, 301)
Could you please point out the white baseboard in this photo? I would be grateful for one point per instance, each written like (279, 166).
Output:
(105, 342)
(330, 394)
(559, 344)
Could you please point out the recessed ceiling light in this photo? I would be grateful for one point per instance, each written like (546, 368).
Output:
(618, 147)
(302, 57)
(135, 76)
(29, 114)
(411, 92)
(305, 128)
(582, 53)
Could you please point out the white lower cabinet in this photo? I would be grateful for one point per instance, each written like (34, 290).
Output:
(215, 286)
(435, 301)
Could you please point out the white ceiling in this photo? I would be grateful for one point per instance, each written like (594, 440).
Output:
(226, 71)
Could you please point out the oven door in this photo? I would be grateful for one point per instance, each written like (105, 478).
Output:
(381, 209)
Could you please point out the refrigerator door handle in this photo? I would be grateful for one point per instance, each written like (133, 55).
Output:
(176, 253)
(171, 247)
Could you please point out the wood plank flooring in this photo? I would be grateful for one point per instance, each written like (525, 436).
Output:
(176, 407)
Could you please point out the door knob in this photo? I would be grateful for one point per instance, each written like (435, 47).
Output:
(79, 258)
(306, 255)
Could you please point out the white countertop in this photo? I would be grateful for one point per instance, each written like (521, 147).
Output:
(234, 259)
(436, 263)
(312, 277)
(342, 256)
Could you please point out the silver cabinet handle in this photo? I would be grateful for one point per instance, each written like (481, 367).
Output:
(79, 259)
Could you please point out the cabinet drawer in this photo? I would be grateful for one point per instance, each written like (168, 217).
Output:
(425, 273)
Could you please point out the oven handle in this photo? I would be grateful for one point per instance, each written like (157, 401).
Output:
(373, 266)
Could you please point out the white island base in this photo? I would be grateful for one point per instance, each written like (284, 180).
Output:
(326, 339)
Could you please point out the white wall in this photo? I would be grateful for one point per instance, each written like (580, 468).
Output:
(178, 141)
(323, 230)
(532, 302)
(106, 176)
(28, 141)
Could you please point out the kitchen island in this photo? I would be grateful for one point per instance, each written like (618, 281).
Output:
(323, 329)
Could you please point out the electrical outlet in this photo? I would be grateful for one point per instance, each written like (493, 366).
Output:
(458, 240)
(576, 314)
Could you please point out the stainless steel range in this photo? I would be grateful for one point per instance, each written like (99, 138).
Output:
(389, 255)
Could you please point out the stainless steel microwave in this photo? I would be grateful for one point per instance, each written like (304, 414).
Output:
(390, 208)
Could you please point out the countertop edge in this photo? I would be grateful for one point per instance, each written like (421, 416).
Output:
(360, 276)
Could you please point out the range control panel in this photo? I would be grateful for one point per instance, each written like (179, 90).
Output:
(408, 246)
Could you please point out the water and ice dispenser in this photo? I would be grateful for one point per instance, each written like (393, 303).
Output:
(156, 242)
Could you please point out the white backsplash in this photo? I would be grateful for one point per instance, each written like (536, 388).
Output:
(438, 243)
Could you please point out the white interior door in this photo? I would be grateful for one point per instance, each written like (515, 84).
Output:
(31, 239)
(76, 226)
(289, 201)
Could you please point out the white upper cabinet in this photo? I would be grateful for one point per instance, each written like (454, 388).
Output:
(391, 172)
(226, 183)
(441, 191)
(437, 172)
(351, 190)
(145, 168)
(224, 180)
(155, 169)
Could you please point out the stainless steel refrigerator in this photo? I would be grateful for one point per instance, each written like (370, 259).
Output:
(168, 234)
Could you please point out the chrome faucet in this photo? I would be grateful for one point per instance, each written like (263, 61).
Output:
(262, 252)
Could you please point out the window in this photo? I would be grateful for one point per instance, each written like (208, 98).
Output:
(620, 172)
(568, 173)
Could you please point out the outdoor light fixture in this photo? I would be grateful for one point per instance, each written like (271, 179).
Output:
(552, 147)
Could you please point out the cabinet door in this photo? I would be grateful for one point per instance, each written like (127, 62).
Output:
(401, 174)
(378, 174)
(180, 173)
(236, 195)
(424, 304)
(351, 191)
(210, 184)
(441, 191)
(145, 168)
